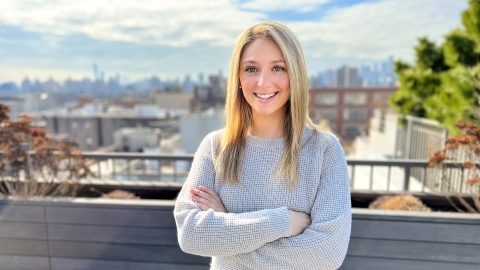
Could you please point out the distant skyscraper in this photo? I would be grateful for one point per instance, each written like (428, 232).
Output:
(187, 84)
(26, 85)
(95, 72)
(347, 77)
(154, 83)
(201, 78)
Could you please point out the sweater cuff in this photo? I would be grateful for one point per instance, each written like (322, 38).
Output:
(280, 223)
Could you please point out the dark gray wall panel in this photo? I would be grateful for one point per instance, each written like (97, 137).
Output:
(104, 235)
(365, 263)
(23, 263)
(82, 264)
(12, 212)
(435, 232)
(116, 217)
(441, 252)
(130, 252)
(111, 234)
(23, 230)
(23, 247)
(429, 217)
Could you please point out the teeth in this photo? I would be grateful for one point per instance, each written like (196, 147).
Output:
(265, 96)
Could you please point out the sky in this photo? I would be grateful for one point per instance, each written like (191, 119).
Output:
(60, 39)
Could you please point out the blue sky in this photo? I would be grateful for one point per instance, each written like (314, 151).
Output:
(139, 38)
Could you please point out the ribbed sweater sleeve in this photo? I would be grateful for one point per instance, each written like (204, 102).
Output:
(209, 233)
(324, 244)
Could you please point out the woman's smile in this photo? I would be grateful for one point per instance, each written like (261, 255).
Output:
(265, 97)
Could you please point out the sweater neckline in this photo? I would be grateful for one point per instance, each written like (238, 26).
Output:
(265, 142)
(272, 143)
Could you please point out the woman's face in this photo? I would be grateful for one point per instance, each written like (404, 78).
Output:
(264, 78)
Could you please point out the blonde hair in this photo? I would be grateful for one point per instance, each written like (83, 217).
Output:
(239, 113)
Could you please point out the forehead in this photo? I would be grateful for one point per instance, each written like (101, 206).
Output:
(262, 50)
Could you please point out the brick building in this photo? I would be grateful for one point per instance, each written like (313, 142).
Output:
(347, 110)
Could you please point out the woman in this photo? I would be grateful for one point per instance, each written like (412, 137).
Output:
(269, 191)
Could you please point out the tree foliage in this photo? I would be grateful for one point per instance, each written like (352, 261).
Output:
(443, 83)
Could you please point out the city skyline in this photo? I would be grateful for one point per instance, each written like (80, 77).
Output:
(139, 39)
(376, 73)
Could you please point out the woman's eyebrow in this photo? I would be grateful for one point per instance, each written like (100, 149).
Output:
(255, 62)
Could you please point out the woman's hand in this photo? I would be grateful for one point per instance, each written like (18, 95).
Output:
(299, 221)
(206, 198)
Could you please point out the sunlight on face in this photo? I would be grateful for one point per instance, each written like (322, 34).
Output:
(264, 78)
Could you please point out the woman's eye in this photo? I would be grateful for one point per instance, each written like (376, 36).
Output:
(250, 69)
(278, 68)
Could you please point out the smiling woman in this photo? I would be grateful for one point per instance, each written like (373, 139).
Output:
(264, 80)
(269, 191)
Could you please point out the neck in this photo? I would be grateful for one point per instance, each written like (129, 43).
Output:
(268, 126)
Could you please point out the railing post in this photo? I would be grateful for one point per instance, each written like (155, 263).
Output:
(409, 138)
(389, 177)
(99, 169)
(175, 171)
(406, 183)
(371, 177)
(352, 181)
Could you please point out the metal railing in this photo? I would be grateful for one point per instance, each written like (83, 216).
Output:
(386, 175)
(140, 167)
(398, 175)
(418, 140)
(381, 175)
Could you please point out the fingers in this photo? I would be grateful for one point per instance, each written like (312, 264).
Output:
(205, 202)
(207, 195)
(210, 192)
(210, 195)
(205, 198)
(202, 206)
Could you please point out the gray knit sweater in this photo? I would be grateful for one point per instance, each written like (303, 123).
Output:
(255, 233)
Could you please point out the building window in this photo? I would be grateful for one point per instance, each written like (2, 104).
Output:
(352, 130)
(355, 98)
(381, 98)
(355, 114)
(328, 114)
(326, 98)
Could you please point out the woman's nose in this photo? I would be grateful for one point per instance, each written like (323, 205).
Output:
(264, 80)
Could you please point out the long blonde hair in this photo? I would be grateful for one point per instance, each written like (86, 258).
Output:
(239, 113)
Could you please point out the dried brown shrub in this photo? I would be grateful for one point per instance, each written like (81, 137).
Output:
(465, 150)
(399, 203)
(120, 194)
(32, 164)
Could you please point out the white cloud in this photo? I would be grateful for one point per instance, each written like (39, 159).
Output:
(370, 30)
(269, 5)
(378, 29)
(174, 23)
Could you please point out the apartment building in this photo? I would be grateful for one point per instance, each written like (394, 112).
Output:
(347, 110)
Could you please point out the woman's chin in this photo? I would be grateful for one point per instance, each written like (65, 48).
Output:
(265, 113)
